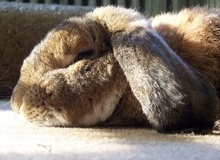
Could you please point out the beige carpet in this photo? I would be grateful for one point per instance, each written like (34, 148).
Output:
(19, 140)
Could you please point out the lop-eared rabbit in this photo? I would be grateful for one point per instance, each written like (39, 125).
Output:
(113, 66)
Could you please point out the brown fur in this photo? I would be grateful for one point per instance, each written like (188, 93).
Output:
(54, 89)
(194, 34)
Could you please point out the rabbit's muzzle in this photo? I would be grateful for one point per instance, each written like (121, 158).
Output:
(83, 94)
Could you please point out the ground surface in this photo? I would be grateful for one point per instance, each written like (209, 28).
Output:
(19, 140)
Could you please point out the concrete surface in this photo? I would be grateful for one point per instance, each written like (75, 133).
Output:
(21, 140)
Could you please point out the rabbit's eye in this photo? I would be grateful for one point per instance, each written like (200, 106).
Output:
(85, 55)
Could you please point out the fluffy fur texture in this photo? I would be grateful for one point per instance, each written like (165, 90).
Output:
(115, 67)
(194, 34)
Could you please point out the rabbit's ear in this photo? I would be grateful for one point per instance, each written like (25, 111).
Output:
(139, 55)
(161, 81)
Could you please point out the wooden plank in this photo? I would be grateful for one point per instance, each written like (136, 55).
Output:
(78, 2)
(160, 6)
(197, 2)
(18, 1)
(211, 3)
(48, 1)
(153, 7)
(217, 3)
(178, 4)
(121, 2)
(92, 3)
(135, 4)
(106, 2)
(63, 2)
(33, 1)
(148, 7)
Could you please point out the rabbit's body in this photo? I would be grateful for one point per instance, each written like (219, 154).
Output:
(194, 34)
(58, 88)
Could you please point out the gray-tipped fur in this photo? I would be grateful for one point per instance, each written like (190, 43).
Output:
(173, 96)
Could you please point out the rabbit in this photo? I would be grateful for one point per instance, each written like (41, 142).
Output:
(112, 67)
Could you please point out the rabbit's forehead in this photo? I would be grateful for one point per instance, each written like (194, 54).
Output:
(71, 41)
(72, 35)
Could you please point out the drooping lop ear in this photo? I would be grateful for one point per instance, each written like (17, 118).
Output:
(167, 88)
(149, 77)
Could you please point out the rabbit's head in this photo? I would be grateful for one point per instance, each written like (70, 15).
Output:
(71, 78)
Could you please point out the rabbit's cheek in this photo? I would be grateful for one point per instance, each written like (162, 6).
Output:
(36, 108)
(45, 117)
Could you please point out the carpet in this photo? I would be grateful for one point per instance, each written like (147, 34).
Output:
(22, 140)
